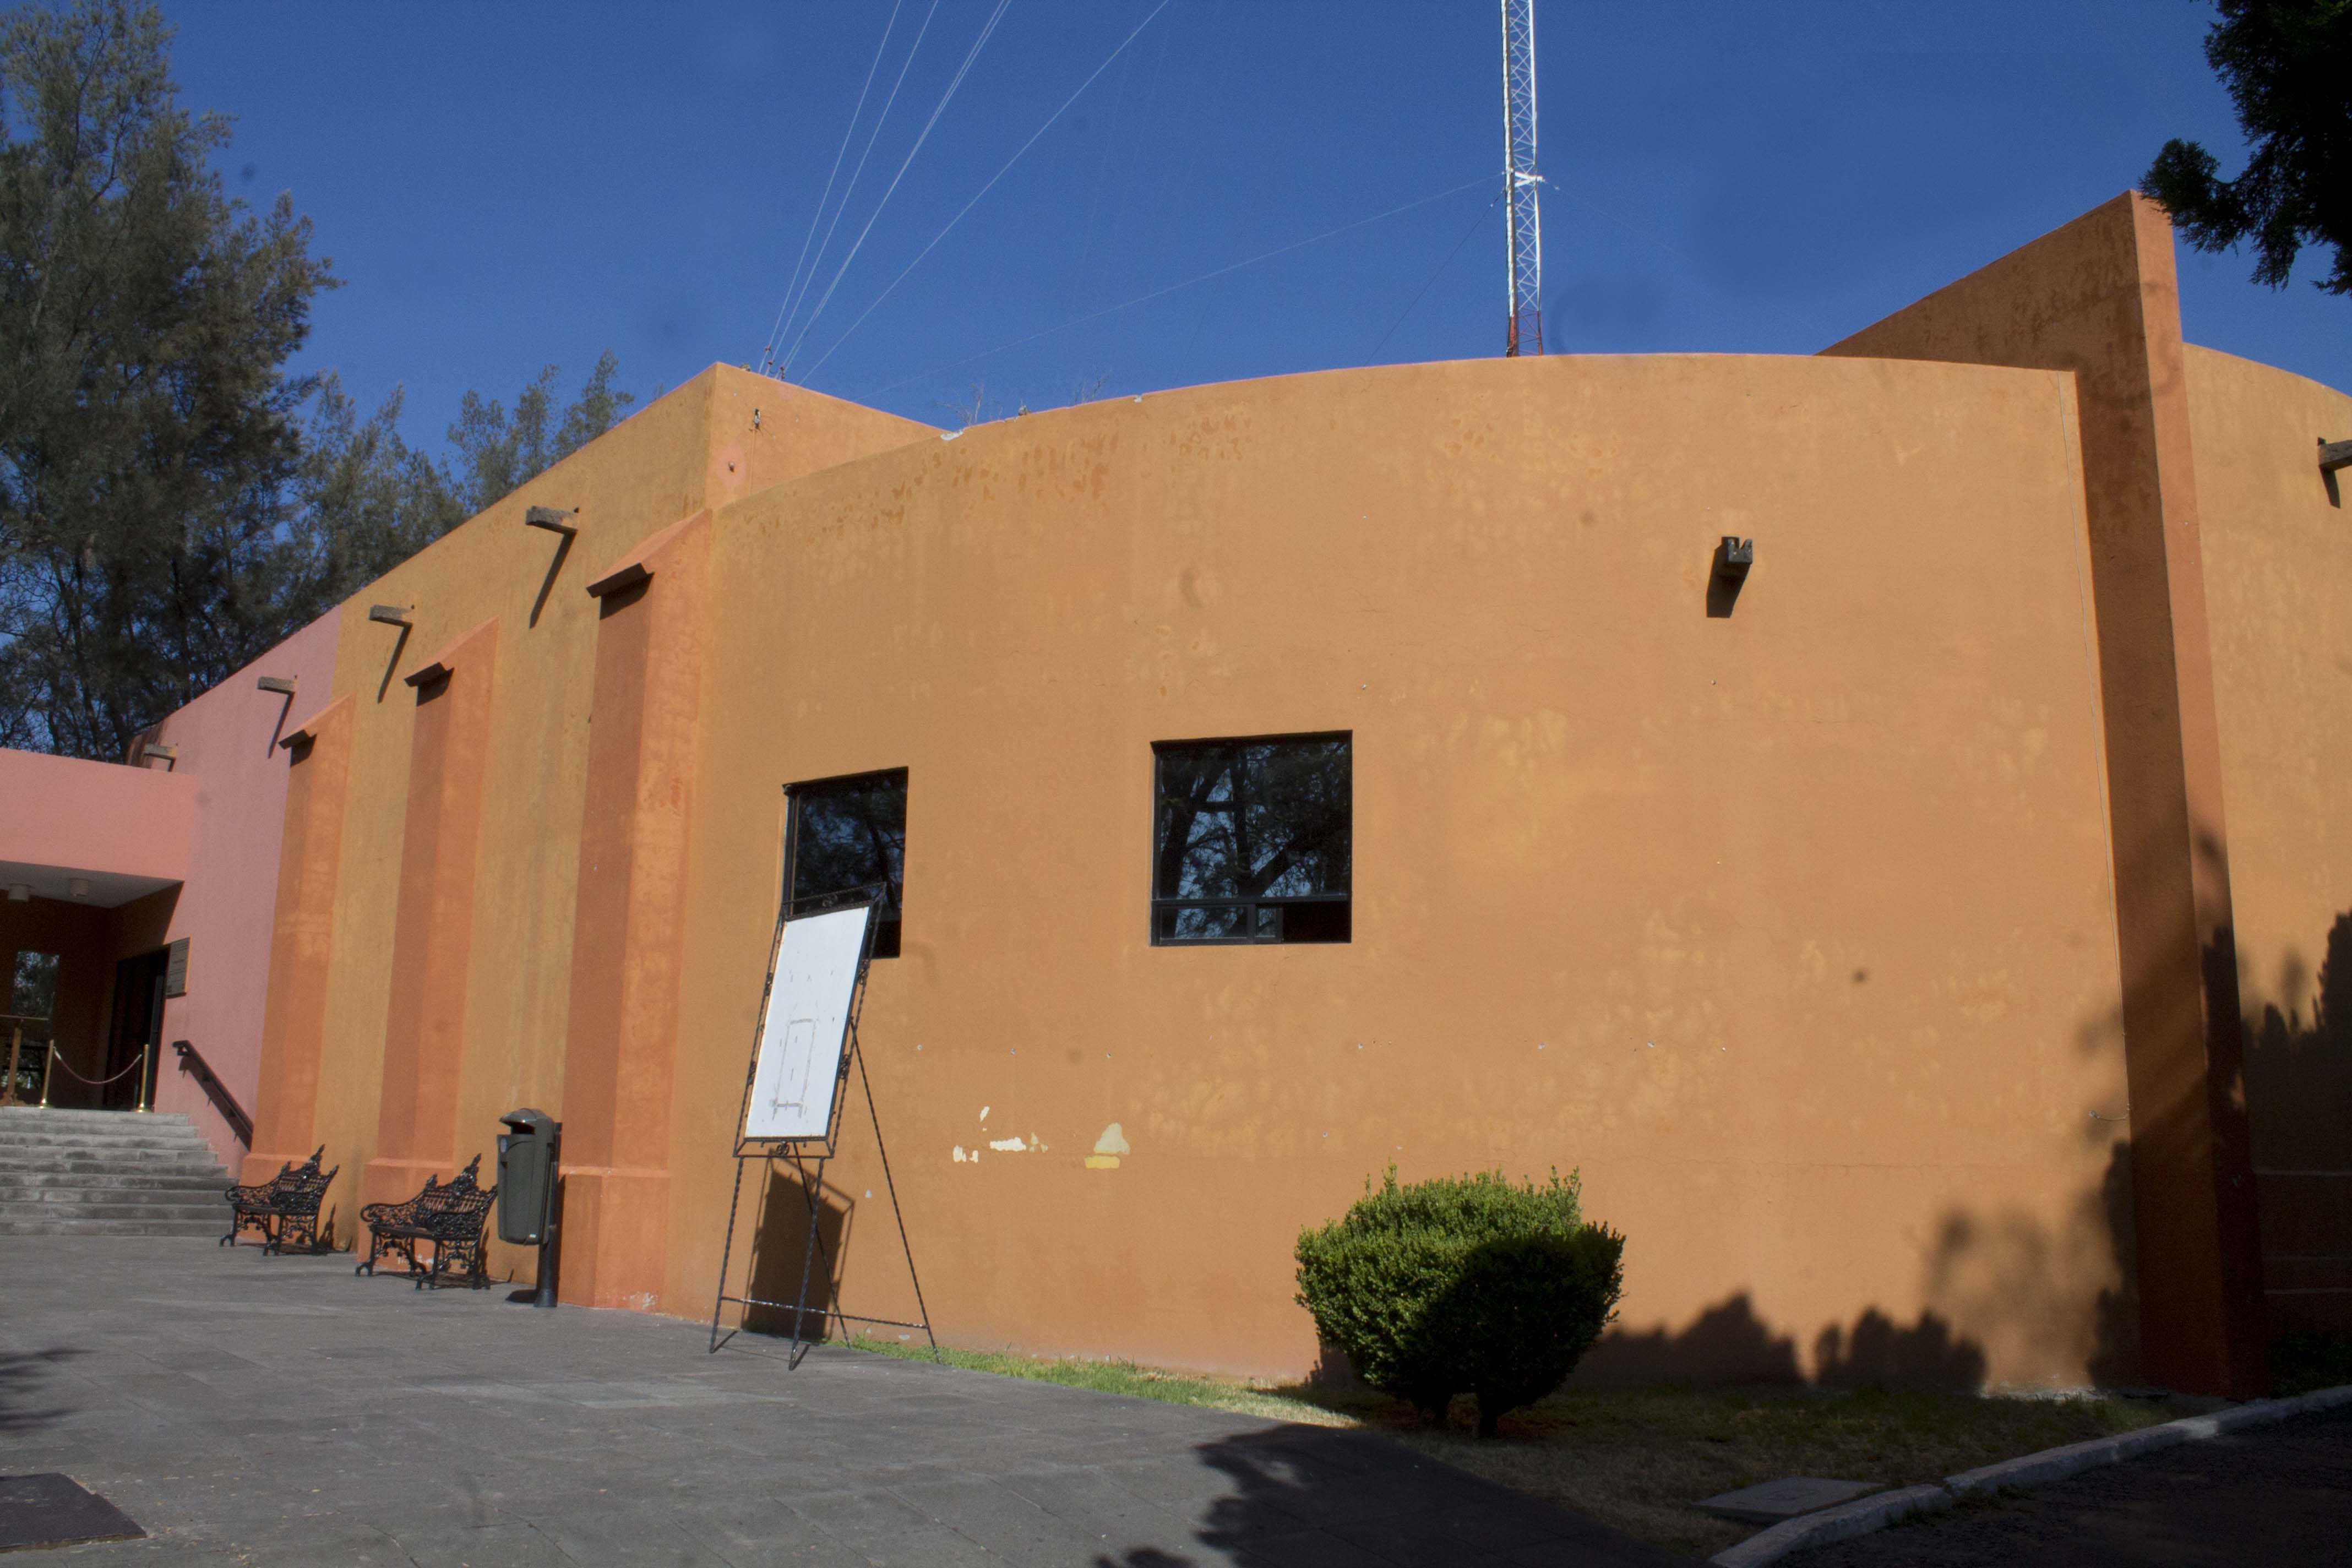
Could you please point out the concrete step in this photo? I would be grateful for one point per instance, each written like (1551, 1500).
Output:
(13, 1181)
(35, 1159)
(119, 1153)
(130, 1173)
(107, 1173)
(113, 1208)
(101, 1137)
(20, 1122)
(11, 1115)
(214, 1229)
(102, 1205)
(50, 1198)
(23, 1154)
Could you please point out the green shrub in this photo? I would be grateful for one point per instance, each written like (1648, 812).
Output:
(1462, 1285)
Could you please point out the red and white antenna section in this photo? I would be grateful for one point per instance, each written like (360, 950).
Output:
(1520, 179)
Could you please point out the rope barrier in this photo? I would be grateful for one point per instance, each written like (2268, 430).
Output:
(94, 1082)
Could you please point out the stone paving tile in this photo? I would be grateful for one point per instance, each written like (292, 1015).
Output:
(1016, 1529)
(888, 1531)
(1098, 1506)
(262, 1412)
(755, 1529)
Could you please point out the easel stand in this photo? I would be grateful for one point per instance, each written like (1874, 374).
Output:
(809, 1157)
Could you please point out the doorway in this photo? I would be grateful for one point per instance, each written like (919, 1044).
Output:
(138, 1025)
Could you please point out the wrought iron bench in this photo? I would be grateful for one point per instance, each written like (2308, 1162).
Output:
(449, 1214)
(284, 1210)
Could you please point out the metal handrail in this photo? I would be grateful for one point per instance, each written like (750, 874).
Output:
(192, 1061)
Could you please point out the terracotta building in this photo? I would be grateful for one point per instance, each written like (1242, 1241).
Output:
(1282, 780)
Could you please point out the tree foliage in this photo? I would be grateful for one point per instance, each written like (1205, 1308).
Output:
(2288, 67)
(496, 451)
(173, 498)
(147, 424)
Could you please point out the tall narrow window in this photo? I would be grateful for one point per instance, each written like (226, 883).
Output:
(1251, 840)
(847, 839)
(25, 1034)
(34, 994)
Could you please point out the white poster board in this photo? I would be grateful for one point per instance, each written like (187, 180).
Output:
(806, 1027)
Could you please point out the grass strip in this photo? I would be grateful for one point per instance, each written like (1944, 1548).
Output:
(1126, 1377)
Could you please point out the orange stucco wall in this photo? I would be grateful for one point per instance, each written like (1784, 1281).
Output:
(1790, 929)
(2278, 572)
(2098, 299)
(1853, 944)
(721, 435)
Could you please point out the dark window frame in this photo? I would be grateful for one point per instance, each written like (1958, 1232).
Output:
(1262, 919)
(889, 923)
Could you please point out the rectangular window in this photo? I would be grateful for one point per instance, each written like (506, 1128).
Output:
(1251, 840)
(847, 838)
(34, 994)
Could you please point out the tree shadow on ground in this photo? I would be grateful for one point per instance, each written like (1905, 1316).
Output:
(22, 1373)
(1302, 1495)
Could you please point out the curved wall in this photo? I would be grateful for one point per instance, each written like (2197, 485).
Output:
(1791, 928)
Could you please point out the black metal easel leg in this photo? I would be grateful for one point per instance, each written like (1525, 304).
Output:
(921, 1309)
(808, 1255)
(725, 1251)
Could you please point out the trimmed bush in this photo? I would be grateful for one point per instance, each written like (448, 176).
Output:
(1462, 1285)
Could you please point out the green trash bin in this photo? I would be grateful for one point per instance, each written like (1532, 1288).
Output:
(528, 1172)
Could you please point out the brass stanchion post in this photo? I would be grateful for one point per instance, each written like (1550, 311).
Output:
(146, 1090)
(49, 1072)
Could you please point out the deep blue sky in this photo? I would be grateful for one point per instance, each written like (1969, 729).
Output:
(507, 186)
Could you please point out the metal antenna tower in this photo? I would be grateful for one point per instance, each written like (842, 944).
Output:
(1520, 179)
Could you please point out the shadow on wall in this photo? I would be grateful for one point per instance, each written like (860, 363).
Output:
(2298, 1076)
(2299, 1072)
(778, 1239)
(21, 1374)
(2006, 1289)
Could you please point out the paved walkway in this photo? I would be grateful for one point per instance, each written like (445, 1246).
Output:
(266, 1411)
(2271, 1495)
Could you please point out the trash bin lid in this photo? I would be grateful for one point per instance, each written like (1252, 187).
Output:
(536, 1122)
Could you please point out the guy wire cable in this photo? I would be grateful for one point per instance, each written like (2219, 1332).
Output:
(1433, 277)
(867, 152)
(954, 82)
(1170, 289)
(985, 189)
(768, 349)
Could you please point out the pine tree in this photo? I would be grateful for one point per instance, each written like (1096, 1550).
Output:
(2288, 66)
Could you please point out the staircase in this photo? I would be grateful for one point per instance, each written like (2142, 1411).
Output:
(107, 1173)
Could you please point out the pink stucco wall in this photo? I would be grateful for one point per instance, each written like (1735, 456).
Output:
(228, 744)
(95, 820)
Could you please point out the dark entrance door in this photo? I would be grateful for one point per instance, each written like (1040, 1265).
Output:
(138, 1025)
